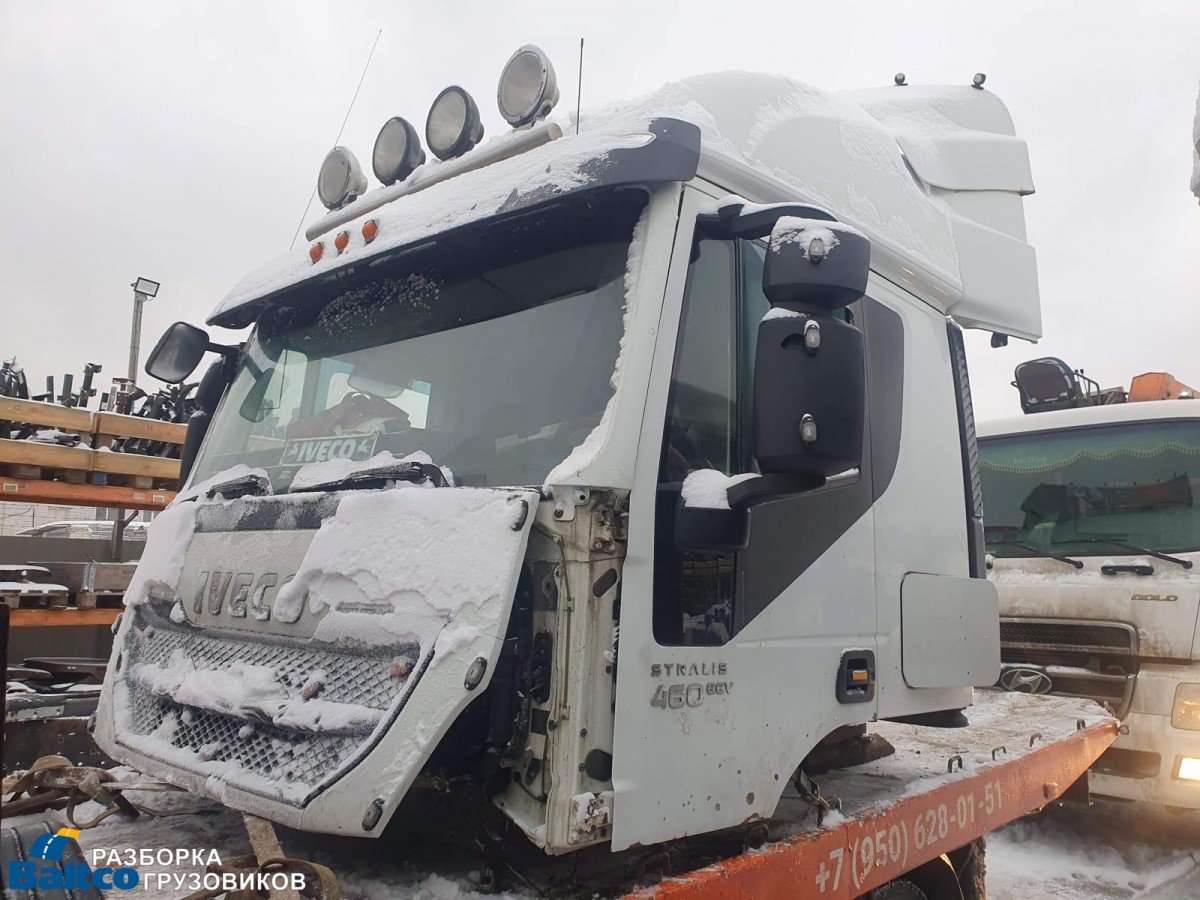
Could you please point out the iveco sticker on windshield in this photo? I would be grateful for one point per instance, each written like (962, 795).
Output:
(355, 447)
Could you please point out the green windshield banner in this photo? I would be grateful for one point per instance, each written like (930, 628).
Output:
(1048, 451)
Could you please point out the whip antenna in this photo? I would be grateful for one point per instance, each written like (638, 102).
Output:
(579, 89)
(361, 78)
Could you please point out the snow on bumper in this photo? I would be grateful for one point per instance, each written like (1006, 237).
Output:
(399, 592)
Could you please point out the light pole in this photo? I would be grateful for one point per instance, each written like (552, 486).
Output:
(143, 289)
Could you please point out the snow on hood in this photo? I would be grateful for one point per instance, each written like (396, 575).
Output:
(400, 564)
(158, 571)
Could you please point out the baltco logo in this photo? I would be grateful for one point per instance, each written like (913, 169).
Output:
(32, 873)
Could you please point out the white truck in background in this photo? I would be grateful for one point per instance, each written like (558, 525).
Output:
(1092, 503)
(608, 477)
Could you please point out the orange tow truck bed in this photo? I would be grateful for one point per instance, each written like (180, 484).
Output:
(941, 790)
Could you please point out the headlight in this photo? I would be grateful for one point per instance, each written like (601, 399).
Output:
(341, 179)
(528, 87)
(397, 151)
(1189, 769)
(1186, 712)
(453, 126)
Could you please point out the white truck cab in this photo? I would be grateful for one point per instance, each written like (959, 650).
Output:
(608, 474)
(1093, 535)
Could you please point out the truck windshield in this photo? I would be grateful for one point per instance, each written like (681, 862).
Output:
(491, 350)
(1070, 491)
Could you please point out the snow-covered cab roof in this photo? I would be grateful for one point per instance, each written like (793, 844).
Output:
(934, 176)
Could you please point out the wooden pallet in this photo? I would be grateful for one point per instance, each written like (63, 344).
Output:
(101, 496)
(68, 615)
(17, 595)
(93, 462)
(99, 599)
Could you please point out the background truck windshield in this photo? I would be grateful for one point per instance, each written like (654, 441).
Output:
(492, 350)
(1070, 491)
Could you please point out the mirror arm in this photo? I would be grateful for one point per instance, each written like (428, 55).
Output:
(766, 488)
(229, 351)
(731, 222)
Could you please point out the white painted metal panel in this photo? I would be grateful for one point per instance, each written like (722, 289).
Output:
(950, 631)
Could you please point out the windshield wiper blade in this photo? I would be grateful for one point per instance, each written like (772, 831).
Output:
(380, 476)
(1178, 560)
(241, 486)
(1078, 564)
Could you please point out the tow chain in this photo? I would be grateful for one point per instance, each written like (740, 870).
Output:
(54, 781)
(810, 792)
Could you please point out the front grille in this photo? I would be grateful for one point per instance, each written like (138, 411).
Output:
(1128, 763)
(292, 758)
(256, 756)
(1094, 660)
(1067, 635)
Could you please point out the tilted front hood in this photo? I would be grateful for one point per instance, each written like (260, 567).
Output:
(1162, 607)
(299, 657)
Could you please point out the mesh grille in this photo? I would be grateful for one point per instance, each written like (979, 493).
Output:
(1064, 635)
(264, 751)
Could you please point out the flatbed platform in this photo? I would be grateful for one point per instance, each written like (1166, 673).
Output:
(940, 790)
(896, 813)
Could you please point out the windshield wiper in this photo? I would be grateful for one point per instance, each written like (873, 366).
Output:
(1178, 560)
(1078, 564)
(380, 476)
(241, 486)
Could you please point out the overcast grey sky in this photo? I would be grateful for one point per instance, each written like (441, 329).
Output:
(181, 141)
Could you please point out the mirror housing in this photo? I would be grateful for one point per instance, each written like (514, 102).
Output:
(810, 368)
(814, 264)
(809, 407)
(710, 529)
(177, 353)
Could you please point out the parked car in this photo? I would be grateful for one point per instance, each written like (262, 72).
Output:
(86, 528)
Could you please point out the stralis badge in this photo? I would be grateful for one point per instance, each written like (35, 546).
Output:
(355, 447)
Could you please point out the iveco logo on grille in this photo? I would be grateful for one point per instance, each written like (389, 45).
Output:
(235, 592)
(1026, 681)
(232, 580)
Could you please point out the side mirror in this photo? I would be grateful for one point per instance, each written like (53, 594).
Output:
(177, 353)
(809, 371)
(710, 529)
(813, 264)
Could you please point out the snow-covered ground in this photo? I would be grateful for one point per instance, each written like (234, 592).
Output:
(1112, 851)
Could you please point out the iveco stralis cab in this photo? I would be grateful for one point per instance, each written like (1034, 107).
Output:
(1093, 533)
(610, 472)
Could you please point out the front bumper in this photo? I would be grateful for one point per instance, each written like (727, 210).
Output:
(1143, 764)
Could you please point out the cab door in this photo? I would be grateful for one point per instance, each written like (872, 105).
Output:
(729, 662)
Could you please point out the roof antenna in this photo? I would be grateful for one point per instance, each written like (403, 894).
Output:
(361, 78)
(579, 94)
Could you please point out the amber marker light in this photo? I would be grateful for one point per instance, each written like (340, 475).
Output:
(316, 251)
(370, 229)
(342, 241)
